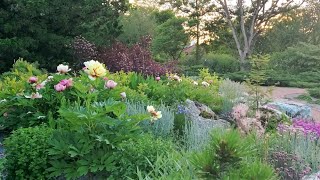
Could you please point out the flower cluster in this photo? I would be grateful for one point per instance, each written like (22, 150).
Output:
(289, 166)
(181, 109)
(63, 85)
(155, 115)
(94, 69)
(33, 81)
(301, 126)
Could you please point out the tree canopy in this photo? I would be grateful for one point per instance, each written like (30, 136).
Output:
(42, 30)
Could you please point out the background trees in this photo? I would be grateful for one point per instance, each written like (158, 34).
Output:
(248, 21)
(170, 38)
(42, 30)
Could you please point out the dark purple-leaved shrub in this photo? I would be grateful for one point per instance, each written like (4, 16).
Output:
(136, 58)
(83, 51)
(120, 56)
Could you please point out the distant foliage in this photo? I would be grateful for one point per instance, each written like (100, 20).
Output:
(302, 57)
(232, 94)
(41, 30)
(221, 63)
(138, 22)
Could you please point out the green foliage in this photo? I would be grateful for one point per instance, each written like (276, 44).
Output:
(140, 154)
(232, 93)
(314, 92)
(256, 78)
(2, 168)
(282, 78)
(89, 136)
(26, 153)
(138, 23)
(288, 30)
(170, 166)
(162, 127)
(38, 31)
(252, 170)
(170, 38)
(221, 63)
(302, 57)
(163, 16)
(225, 152)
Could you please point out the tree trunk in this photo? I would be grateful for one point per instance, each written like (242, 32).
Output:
(197, 45)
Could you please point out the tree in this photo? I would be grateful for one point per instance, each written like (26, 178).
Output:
(196, 11)
(163, 16)
(248, 21)
(300, 25)
(137, 23)
(42, 30)
(170, 38)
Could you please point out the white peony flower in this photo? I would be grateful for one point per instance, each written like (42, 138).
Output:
(62, 69)
(150, 109)
(205, 84)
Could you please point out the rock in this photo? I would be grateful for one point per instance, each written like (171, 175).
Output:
(274, 112)
(292, 109)
(202, 114)
(315, 176)
(201, 120)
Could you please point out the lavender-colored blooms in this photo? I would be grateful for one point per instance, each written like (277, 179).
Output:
(181, 109)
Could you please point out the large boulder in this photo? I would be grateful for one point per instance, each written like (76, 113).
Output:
(200, 121)
(292, 109)
(202, 114)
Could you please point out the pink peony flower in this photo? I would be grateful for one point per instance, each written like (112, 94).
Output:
(66, 82)
(33, 79)
(158, 78)
(110, 84)
(40, 86)
(59, 87)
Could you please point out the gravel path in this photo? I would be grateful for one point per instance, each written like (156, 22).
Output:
(290, 94)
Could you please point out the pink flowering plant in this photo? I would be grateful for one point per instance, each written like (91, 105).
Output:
(300, 140)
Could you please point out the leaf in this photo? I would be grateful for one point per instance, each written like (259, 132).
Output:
(83, 170)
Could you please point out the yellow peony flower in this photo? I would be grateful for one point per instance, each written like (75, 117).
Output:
(155, 115)
(94, 69)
